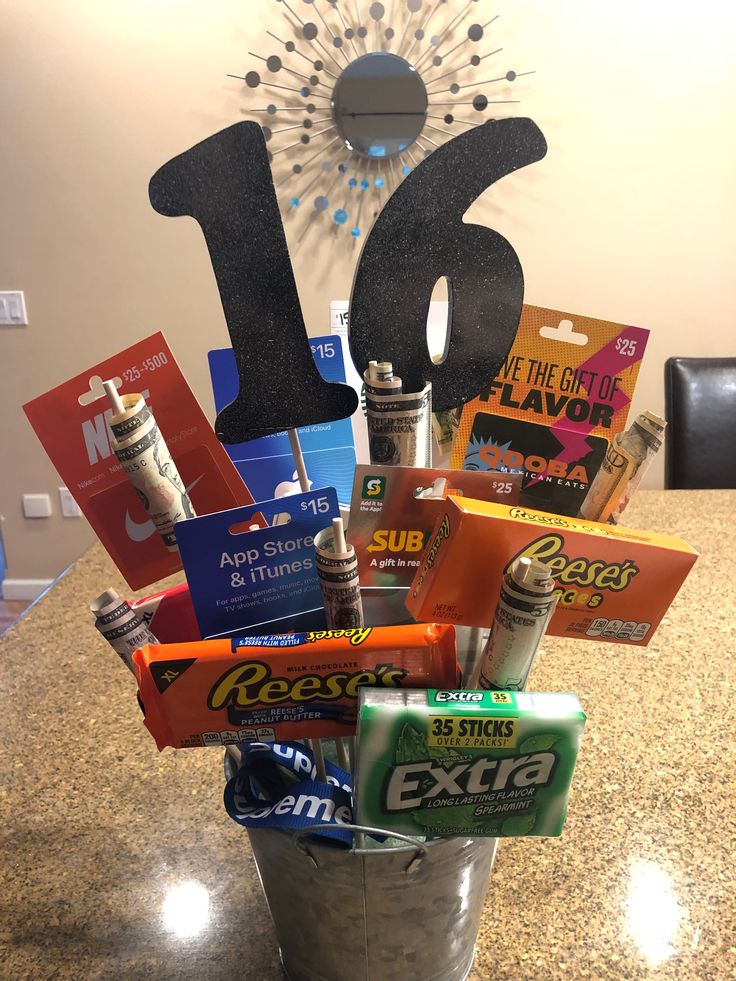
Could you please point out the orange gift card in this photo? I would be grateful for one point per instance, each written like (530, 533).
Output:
(72, 423)
(613, 583)
(572, 373)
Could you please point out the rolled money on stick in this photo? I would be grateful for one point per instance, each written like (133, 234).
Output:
(524, 609)
(145, 458)
(120, 625)
(625, 463)
(399, 423)
(444, 426)
(337, 568)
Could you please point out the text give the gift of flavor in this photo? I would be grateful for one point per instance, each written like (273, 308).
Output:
(579, 403)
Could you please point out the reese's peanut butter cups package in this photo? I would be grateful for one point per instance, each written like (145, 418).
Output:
(283, 686)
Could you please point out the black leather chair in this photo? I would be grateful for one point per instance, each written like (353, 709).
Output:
(700, 404)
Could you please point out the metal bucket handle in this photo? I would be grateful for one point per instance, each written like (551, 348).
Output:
(414, 862)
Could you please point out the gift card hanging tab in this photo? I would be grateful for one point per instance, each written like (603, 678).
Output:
(252, 569)
(225, 184)
(565, 371)
(72, 422)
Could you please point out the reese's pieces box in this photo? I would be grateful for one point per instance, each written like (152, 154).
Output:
(614, 584)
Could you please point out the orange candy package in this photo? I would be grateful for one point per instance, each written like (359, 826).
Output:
(283, 686)
(614, 584)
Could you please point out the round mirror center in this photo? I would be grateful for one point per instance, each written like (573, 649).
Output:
(379, 104)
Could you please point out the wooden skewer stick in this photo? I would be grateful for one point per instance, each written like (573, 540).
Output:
(114, 396)
(342, 756)
(338, 530)
(301, 471)
(296, 452)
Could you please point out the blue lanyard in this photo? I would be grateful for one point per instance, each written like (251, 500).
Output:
(275, 787)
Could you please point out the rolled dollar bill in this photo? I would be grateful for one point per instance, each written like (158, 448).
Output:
(625, 463)
(145, 458)
(337, 568)
(399, 423)
(121, 626)
(380, 379)
(524, 609)
(444, 427)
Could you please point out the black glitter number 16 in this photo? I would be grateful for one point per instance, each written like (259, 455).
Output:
(225, 184)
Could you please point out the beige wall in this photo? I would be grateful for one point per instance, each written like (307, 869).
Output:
(631, 216)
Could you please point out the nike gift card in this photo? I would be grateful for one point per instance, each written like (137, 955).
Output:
(72, 423)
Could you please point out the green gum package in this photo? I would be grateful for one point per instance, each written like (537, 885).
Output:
(466, 763)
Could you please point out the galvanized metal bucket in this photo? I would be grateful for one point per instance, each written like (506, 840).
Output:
(375, 914)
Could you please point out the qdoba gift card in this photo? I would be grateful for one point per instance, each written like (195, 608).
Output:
(571, 373)
(72, 423)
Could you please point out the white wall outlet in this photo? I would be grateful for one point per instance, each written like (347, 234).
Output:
(37, 505)
(69, 507)
(13, 309)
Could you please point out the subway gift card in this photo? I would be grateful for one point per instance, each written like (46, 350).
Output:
(392, 514)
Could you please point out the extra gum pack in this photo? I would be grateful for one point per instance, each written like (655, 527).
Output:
(283, 686)
(614, 584)
(473, 763)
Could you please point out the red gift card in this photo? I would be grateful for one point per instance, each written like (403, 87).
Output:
(76, 436)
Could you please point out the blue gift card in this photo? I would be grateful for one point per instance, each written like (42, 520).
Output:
(266, 464)
(262, 581)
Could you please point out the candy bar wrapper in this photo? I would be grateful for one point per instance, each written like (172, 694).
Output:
(77, 439)
(169, 614)
(614, 584)
(282, 686)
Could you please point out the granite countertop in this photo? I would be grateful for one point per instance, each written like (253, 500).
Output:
(98, 829)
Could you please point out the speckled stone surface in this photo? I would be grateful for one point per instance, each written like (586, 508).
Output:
(96, 827)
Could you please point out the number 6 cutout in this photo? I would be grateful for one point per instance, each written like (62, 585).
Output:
(419, 237)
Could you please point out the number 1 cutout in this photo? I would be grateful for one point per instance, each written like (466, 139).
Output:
(418, 238)
(225, 184)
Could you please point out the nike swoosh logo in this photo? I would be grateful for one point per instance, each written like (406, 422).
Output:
(139, 531)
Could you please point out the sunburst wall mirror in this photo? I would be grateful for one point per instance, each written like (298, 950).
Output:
(361, 92)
